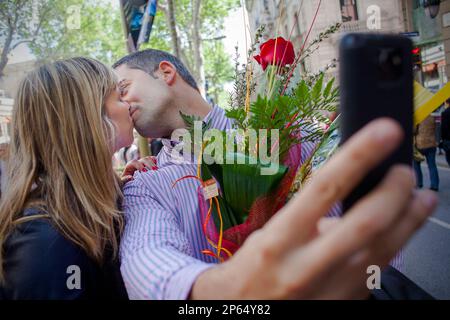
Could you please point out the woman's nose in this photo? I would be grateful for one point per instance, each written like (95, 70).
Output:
(127, 105)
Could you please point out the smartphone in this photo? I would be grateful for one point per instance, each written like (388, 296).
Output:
(376, 80)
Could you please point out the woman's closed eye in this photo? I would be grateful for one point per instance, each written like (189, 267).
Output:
(123, 87)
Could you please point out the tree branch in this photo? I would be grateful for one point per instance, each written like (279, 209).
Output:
(4, 16)
(162, 7)
(5, 51)
(213, 39)
(42, 15)
(18, 43)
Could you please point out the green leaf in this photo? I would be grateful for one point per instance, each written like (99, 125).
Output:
(229, 218)
(317, 89)
(242, 184)
(327, 90)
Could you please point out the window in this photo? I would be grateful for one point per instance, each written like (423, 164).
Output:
(349, 10)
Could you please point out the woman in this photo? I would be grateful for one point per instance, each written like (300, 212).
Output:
(59, 218)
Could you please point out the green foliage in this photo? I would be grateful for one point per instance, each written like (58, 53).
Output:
(217, 64)
(241, 182)
(237, 97)
(233, 177)
(100, 35)
(298, 111)
(218, 69)
(15, 15)
(295, 115)
(160, 36)
(189, 121)
(291, 112)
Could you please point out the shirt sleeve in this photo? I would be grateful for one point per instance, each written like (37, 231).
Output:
(156, 257)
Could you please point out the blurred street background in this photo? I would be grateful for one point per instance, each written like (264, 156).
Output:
(427, 256)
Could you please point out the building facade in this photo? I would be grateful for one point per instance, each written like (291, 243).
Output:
(20, 62)
(6, 105)
(292, 18)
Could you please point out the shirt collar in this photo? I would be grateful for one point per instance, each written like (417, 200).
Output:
(216, 118)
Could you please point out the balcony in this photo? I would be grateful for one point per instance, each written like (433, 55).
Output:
(390, 24)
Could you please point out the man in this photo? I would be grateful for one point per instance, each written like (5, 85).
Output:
(426, 143)
(296, 254)
(445, 131)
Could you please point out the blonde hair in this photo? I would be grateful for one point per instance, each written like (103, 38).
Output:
(61, 156)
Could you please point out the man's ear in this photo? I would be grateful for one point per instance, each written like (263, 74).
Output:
(168, 72)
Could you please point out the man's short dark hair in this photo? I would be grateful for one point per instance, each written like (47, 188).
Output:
(148, 61)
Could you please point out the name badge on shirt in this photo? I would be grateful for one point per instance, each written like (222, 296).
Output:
(210, 189)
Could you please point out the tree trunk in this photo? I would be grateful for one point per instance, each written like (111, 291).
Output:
(198, 47)
(5, 52)
(173, 29)
(169, 15)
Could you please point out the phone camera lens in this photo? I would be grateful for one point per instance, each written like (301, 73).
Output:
(396, 60)
(390, 63)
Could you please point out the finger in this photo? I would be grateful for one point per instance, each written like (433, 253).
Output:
(132, 166)
(148, 162)
(338, 176)
(365, 221)
(346, 281)
(356, 158)
(349, 282)
(327, 224)
(380, 253)
(135, 164)
(324, 225)
(421, 207)
(126, 179)
(151, 158)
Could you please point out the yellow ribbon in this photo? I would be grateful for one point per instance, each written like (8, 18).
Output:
(425, 102)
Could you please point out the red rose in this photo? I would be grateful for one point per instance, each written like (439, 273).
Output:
(282, 49)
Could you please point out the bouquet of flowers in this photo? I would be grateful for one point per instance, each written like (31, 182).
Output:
(324, 150)
(247, 173)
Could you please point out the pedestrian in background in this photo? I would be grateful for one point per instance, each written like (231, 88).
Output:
(438, 129)
(425, 139)
(445, 131)
(155, 146)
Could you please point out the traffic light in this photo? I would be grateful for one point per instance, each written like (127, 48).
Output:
(416, 56)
